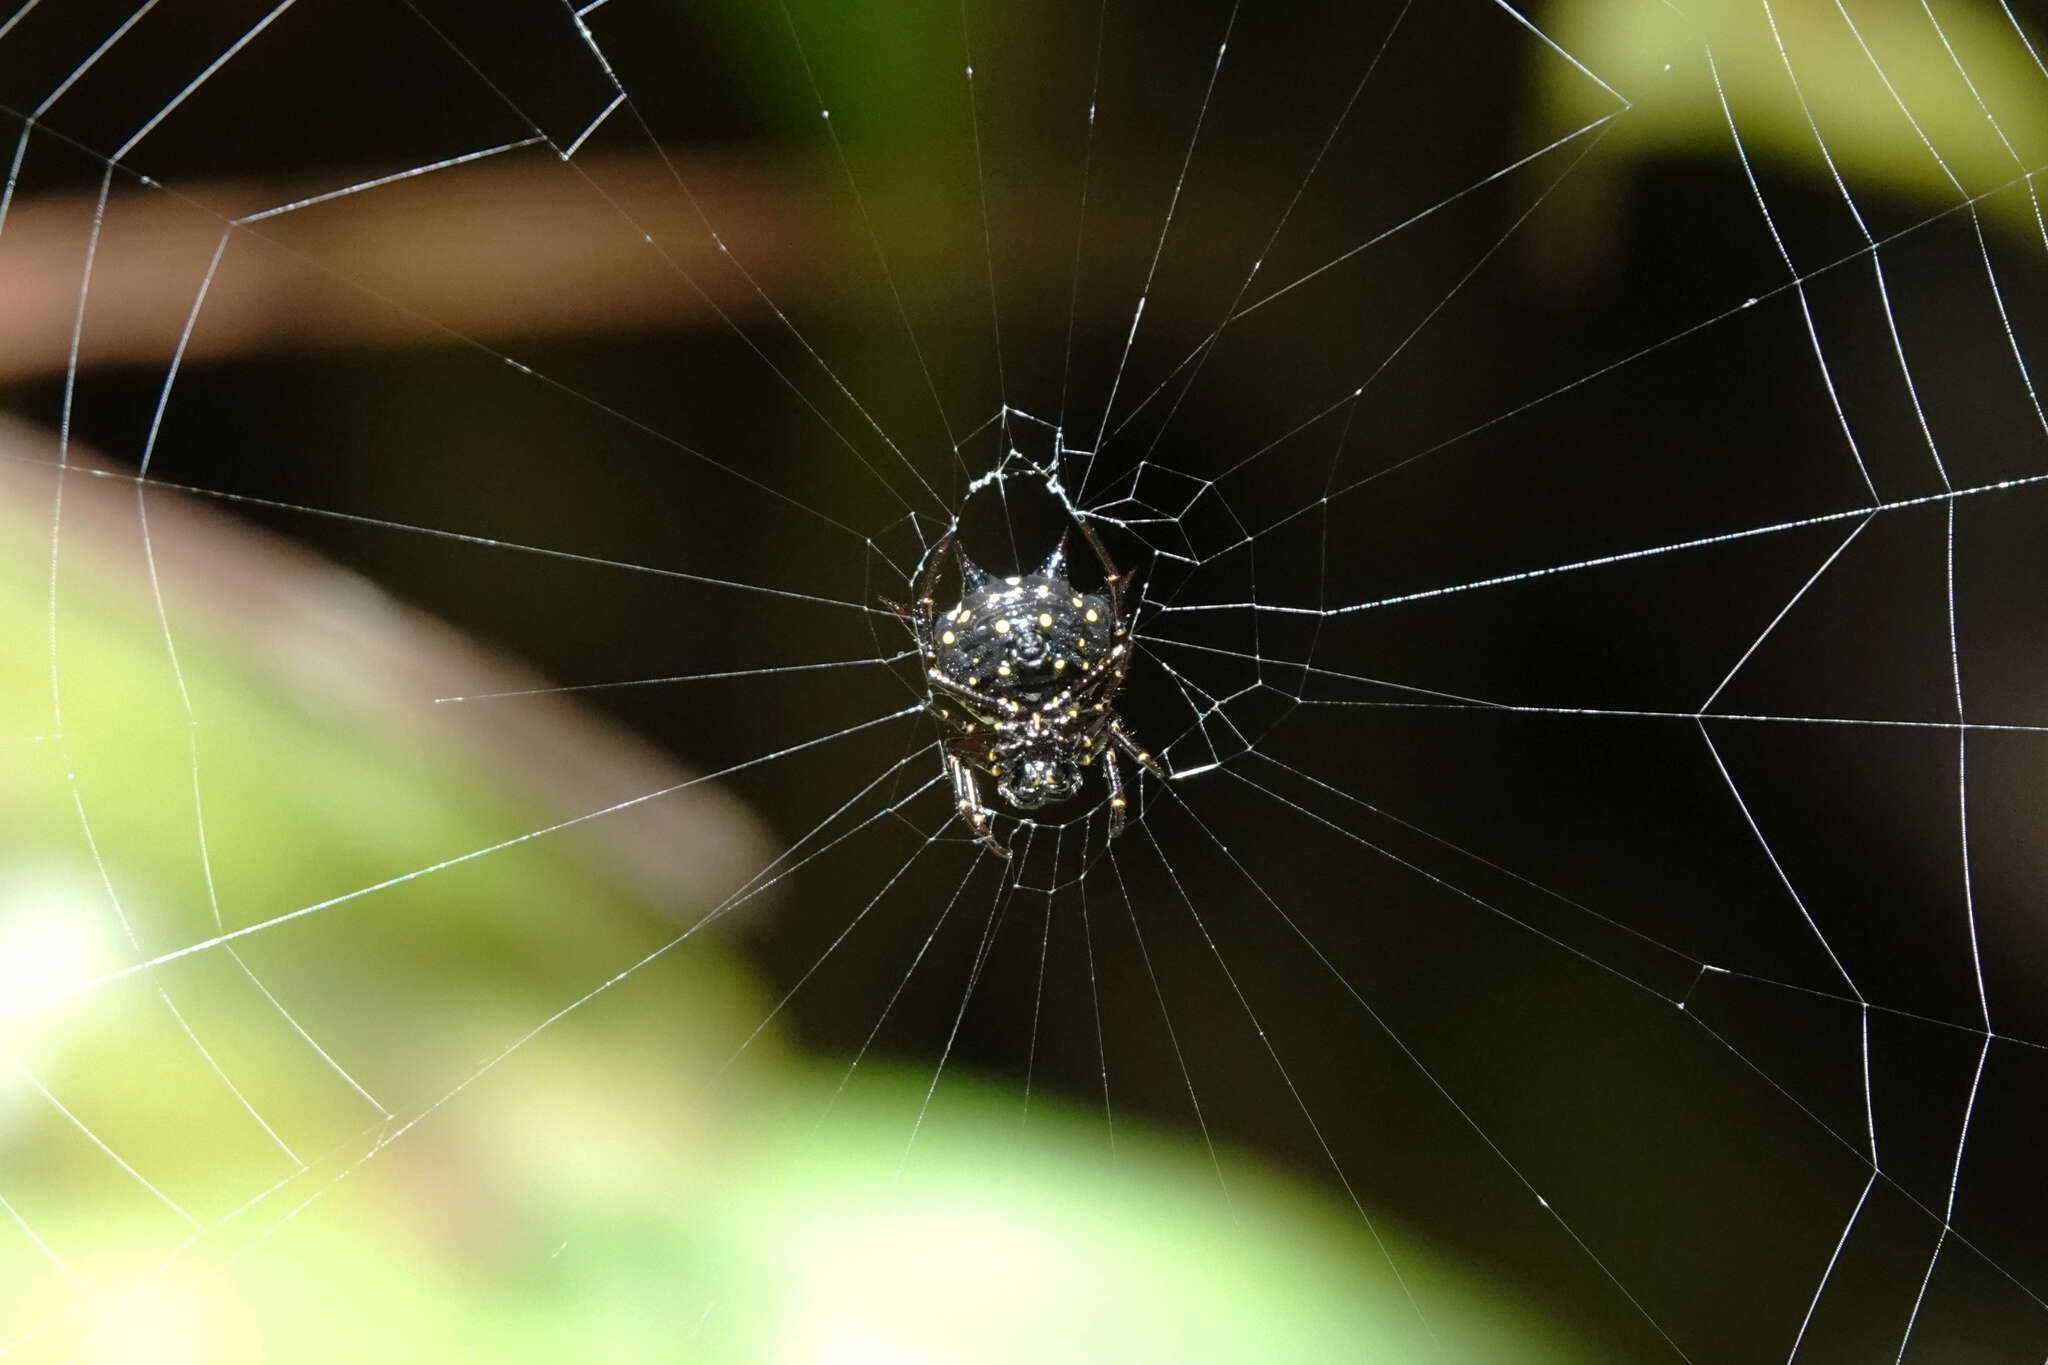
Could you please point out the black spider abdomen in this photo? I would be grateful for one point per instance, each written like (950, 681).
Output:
(1025, 638)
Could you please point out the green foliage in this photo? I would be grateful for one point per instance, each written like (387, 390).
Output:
(613, 1189)
(1989, 128)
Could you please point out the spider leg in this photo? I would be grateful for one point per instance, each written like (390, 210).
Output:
(1119, 739)
(1116, 579)
(1116, 793)
(1123, 741)
(967, 800)
(928, 577)
(922, 613)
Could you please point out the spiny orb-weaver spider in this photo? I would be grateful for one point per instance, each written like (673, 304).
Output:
(1024, 675)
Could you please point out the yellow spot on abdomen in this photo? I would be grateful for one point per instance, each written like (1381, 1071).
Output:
(947, 638)
(1002, 627)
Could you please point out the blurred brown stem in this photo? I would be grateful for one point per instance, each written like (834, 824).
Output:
(521, 243)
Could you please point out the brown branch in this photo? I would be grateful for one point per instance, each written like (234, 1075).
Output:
(518, 244)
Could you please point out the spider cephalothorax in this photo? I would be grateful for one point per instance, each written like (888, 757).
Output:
(1024, 674)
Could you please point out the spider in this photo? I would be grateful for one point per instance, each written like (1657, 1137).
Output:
(1024, 675)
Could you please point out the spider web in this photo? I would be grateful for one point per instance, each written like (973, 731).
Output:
(1588, 606)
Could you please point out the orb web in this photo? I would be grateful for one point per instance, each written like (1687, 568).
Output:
(1581, 465)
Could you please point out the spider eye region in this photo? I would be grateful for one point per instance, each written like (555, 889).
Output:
(1040, 779)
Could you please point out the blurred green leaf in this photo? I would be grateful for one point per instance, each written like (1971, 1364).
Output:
(1978, 106)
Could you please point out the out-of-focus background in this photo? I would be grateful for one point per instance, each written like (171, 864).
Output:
(472, 875)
